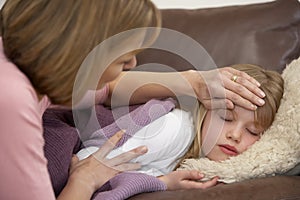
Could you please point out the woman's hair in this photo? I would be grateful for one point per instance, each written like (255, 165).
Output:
(272, 85)
(49, 39)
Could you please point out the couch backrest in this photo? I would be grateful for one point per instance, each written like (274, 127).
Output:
(263, 34)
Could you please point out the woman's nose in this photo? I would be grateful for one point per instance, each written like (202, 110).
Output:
(130, 64)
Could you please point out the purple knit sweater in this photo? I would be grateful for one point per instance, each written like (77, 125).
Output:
(62, 141)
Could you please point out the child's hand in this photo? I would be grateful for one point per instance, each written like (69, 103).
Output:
(185, 179)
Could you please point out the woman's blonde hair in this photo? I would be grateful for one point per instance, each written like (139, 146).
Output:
(271, 83)
(49, 39)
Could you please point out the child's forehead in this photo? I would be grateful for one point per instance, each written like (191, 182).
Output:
(236, 110)
(225, 111)
(238, 113)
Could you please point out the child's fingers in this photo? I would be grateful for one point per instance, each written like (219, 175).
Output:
(210, 183)
(190, 175)
(191, 184)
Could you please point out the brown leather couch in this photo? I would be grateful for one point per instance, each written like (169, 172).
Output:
(264, 34)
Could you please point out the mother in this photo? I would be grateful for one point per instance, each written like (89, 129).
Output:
(42, 47)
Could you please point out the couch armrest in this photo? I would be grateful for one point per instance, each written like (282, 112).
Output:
(278, 187)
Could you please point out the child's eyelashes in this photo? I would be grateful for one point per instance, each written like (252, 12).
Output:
(225, 115)
(226, 118)
(254, 133)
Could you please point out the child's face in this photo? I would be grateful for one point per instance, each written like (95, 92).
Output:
(236, 128)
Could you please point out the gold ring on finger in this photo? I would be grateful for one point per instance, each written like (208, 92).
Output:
(234, 78)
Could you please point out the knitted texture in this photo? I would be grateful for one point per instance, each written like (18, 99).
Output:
(132, 122)
(277, 151)
(127, 184)
(62, 141)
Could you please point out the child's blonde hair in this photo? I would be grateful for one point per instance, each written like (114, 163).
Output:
(272, 85)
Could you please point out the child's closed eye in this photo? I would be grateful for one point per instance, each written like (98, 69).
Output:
(254, 133)
(225, 115)
(226, 119)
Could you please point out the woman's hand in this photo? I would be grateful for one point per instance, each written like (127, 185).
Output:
(225, 87)
(90, 174)
(185, 179)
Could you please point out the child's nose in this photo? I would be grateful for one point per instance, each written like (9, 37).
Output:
(234, 134)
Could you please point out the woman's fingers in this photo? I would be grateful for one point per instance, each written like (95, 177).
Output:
(120, 162)
(127, 167)
(97, 169)
(127, 156)
(217, 103)
(243, 90)
(239, 100)
(108, 146)
(227, 87)
(244, 75)
(244, 85)
(74, 162)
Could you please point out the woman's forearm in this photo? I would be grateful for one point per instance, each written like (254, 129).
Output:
(214, 88)
(139, 87)
(76, 190)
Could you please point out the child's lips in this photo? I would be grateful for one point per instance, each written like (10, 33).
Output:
(228, 149)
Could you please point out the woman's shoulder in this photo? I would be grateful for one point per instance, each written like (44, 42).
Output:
(16, 91)
(21, 135)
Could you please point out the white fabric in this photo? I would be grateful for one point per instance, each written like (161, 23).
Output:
(165, 145)
(167, 138)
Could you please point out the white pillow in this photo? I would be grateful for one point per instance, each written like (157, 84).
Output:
(278, 150)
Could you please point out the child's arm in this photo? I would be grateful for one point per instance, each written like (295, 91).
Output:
(185, 179)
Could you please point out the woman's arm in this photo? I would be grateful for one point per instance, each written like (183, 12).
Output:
(213, 88)
(138, 87)
(23, 173)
